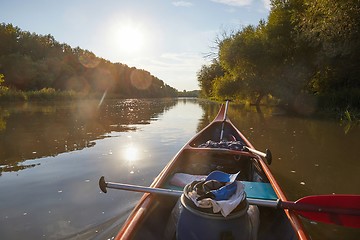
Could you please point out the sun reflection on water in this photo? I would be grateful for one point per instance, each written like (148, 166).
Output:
(131, 153)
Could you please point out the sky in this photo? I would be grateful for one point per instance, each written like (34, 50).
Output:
(170, 39)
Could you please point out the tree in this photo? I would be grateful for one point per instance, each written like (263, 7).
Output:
(332, 25)
(333, 28)
(291, 57)
(33, 62)
(305, 48)
(207, 75)
(245, 56)
(9, 36)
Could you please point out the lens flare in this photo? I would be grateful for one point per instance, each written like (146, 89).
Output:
(140, 80)
(89, 60)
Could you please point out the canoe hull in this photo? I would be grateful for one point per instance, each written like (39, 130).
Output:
(146, 219)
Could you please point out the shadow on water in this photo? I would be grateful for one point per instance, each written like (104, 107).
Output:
(35, 130)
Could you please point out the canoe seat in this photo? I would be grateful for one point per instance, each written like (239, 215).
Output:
(257, 190)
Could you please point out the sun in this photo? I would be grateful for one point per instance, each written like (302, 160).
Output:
(128, 37)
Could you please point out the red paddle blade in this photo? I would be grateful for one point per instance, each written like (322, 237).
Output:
(343, 210)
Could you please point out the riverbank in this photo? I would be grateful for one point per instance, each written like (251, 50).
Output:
(45, 94)
(344, 113)
(48, 94)
(347, 115)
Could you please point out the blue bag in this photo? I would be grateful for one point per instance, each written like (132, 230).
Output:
(225, 192)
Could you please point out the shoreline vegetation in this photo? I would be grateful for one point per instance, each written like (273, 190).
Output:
(36, 66)
(49, 95)
(304, 57)
(45, 94)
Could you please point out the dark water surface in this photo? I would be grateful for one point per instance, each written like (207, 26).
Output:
(52, 155)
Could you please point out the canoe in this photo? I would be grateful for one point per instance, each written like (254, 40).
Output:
(157, 216)
(253, 206)
(151, 218)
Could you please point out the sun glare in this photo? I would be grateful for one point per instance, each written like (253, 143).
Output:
(131, 153)
(128, 37)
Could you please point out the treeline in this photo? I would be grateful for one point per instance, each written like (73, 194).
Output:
(306, 56)
(32, 62)
(193, 93)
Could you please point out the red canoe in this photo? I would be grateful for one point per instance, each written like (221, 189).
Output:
(162, 216)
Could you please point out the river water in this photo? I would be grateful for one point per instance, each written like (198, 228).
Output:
(52, 156)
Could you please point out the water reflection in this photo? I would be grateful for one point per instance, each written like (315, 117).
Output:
(310, 156)
(131, 153)
(66, 147)
(35, 130)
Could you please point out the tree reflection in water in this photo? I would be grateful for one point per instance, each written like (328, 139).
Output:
(35, 130)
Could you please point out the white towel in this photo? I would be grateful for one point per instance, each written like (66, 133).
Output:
(224, 206)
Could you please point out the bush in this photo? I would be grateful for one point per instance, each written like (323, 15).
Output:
(12, 95)
(45, 94)
(348, 98)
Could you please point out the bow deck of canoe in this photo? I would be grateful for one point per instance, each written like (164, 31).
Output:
(152, 216)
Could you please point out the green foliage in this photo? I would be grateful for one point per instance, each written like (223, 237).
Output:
(304, 48)
(2, 80)
(3, 89)
(207, 75)
(194, 93)
(332, 25)
(51, 94)
(226, 88)
(246, 57)
(34, 62)
(45, 94)
(13, 95)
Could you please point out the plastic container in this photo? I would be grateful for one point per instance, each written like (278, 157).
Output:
(199, 223)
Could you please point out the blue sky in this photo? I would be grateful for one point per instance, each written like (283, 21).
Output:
(170, 39)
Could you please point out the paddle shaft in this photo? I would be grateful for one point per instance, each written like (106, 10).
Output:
(267, 155)
(135, 188)
(297, 206)
(224, 120)
(169, 192)
(261, 154)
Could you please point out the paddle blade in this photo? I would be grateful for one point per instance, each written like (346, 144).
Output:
(343, 210)
(102, 184)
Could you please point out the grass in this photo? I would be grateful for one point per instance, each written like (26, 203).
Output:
(351, 116)
(45, 94)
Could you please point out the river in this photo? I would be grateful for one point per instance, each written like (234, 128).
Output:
(53, 154)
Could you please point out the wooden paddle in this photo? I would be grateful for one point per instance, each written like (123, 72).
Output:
(340, 209)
